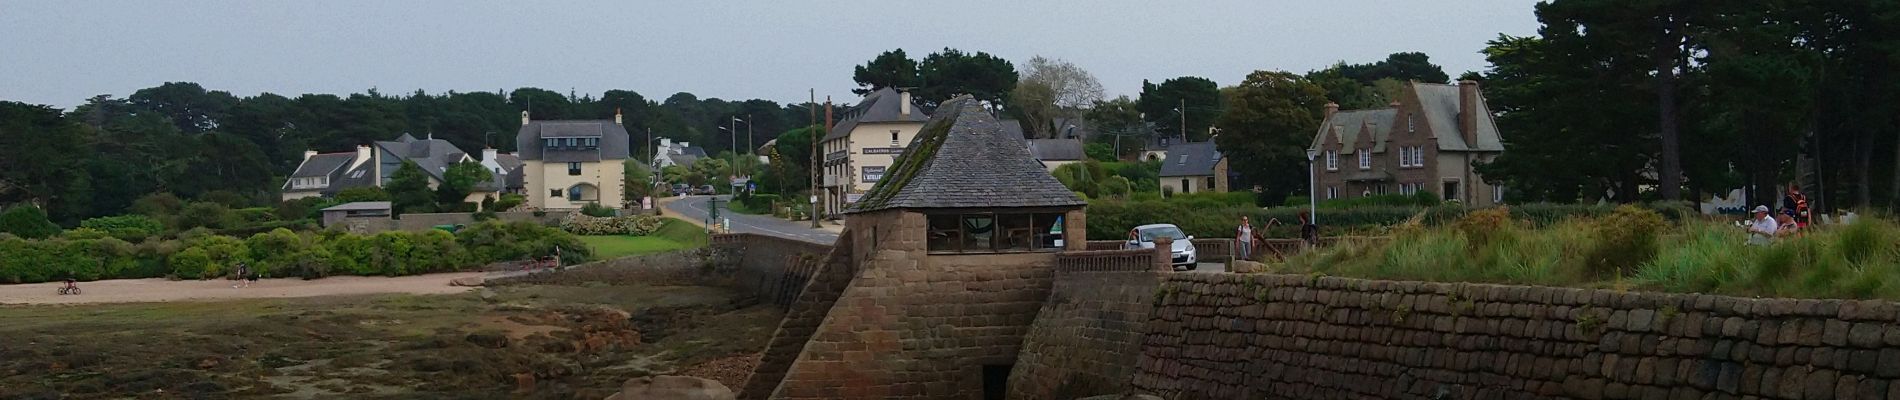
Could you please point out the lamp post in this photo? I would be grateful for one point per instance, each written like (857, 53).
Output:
(748, 143)
(1312, 188)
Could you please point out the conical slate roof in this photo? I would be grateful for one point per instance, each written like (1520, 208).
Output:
(964, 158)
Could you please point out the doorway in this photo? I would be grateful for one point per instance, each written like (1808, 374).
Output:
(996, 381)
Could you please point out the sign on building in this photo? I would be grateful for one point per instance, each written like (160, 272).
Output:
(852, 197)
(872, 174)
(883, 150)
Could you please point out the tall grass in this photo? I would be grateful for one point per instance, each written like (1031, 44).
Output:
(1857, 261)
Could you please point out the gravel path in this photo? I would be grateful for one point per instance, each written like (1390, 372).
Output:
(160, 290)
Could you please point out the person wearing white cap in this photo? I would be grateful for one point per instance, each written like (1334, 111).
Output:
(1763, 228)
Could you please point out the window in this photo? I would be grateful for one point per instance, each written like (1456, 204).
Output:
(593, 142)
(1183, 160)
(1210, 184)
(574, 168)
(1332, 160)
(1411, 123)
(993, 232)
(1497, 194)
(554, 192)
(1451, 190)
(894, 137)
(574, 193)
(1365, 158)
(1187, 186)
(1332, 192)
(1405, 157)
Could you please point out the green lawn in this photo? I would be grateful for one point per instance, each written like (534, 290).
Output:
(673, 235)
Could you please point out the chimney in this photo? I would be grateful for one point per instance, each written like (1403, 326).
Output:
(488, 154)
(617, 119)
(827, 115)
(904, 106)
(666, 143)
(1331, 108)
(524, 117)
(1468, 112)
(309, 153)
(362, 156)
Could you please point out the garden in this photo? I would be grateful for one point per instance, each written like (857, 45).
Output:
(1627, 248)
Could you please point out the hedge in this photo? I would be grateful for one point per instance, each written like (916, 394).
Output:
(1111, 219)
(280, 253)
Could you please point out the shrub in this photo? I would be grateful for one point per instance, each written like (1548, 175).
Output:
(636, 225)
(203, 215)
(364, 193)
(1483, 226)
(494, 241)
(597, 210)
(27, 221)
(1116, 186)
(509, 202)
(130, 227)
(1624, 240)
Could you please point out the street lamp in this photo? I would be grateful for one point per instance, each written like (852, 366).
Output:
(748, 142)
(1312, 188)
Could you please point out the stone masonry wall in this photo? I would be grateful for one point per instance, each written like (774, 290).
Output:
(805, 314)
(1087, 337)
(1280, 336)
(916, 327)
(775, 268)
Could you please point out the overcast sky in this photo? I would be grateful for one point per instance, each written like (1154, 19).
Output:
(61, 52)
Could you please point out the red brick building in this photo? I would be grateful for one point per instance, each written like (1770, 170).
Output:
(1427, 140)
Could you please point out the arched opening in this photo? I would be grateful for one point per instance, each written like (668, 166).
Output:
(583, 192)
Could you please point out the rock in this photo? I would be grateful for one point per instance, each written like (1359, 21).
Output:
(487, 294)
(1245, 267)
(1129, 396)
(669, 387)
(492, 340)
(472, 281)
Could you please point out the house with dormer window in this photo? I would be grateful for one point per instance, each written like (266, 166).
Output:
(567, 164)
(1429, 139)
(374, 164)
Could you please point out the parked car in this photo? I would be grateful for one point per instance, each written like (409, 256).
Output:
(1185, 255)
(707, 190)
(682, 189)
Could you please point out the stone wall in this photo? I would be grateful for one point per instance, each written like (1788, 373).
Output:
(775, 268)
(911, 326)
(802, 318)
(1087, 337)
(1280, 336)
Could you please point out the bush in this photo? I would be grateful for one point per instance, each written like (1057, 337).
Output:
(1100, 151)
(202, 215)
(1481, 227)
(1624, 240)
(27, 221)
(597, 210)
(635, 225)
(131, 227)
(494, 241)
(364, 193)
(509, 201)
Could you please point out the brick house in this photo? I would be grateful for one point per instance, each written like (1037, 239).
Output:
(1427, 140)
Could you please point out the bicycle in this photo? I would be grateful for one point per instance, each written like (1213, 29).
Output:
(70, 288)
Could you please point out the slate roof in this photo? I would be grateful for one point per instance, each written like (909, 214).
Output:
(323, 165)
(614, 141)
(1440, 107)
(433, 155)
(1191, 159)
(964, 158)
(1056, 149)
(883, 105)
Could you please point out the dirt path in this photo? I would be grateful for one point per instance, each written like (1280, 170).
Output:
(160, 290)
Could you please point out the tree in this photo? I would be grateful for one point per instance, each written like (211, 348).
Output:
(1161, 105)
(365, 193)
(1264, 133)
(889, 69)
(457, 182)
(1118, 123)
(27, 221)
(952, 72)
(1404, 66)
(636, 181)
(1034, 105)
(409, 190)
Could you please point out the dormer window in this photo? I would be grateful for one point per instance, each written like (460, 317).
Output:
(1332, 160)
(1411, 123)
(1365, 158)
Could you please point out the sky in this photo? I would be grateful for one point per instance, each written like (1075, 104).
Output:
(62, 52)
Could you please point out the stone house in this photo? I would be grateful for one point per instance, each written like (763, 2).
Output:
(951, 256)
(1429, 139)
(567, 164)
(1193, 168)
(862, 145)
(373, 165)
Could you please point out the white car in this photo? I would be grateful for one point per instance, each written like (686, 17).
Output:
(1185, 256)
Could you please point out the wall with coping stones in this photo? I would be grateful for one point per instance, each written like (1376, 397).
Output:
(1087, 337)
(775, 268)
(1282, 336)
(815, 300)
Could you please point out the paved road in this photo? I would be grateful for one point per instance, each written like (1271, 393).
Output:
(694, 207)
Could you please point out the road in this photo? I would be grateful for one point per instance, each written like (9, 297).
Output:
(694, 207)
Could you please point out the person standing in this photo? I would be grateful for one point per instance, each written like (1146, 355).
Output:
(1245, 238)
(243, 276)
(1762, 229)
(1309, 231)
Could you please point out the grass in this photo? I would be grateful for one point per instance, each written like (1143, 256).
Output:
(1859, 261)
(576, 339)
(674, 234)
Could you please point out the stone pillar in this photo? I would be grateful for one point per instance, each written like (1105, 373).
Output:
(1075, 232)
(1164, 256)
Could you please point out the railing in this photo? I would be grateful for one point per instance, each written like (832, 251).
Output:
(1138, 260)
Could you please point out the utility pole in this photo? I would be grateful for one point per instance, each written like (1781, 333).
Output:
(811, 131)
(1183, 119)
(751, 148)
(733, 134)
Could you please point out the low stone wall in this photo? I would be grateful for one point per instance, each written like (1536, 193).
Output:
(1087, 336)
(815, 299)
(1108, 260)
(1298, 337)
